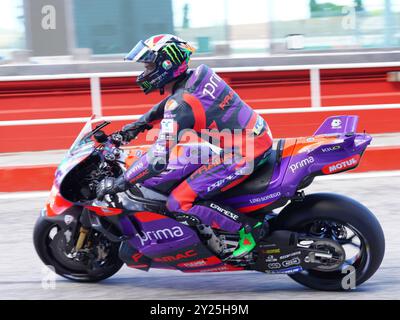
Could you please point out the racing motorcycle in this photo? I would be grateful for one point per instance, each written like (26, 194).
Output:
(317, 239)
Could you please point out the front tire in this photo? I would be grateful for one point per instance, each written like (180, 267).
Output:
(334, 210)
(48, 241)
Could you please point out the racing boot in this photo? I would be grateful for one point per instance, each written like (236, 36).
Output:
(248, 237)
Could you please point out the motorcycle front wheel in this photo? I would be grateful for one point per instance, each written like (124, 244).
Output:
(94, 263)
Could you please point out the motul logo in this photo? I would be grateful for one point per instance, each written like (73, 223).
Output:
(341, 165)
(179, 256)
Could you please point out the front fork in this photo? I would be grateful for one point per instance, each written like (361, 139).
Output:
(83, 232)
(90, 220)
(70, 220)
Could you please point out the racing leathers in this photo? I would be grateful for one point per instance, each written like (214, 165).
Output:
(204, 106)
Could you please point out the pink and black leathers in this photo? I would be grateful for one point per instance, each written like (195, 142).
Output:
(203, 108)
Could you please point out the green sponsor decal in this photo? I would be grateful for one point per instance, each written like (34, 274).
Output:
(146, 85)
(171, 54)
(175, 47)
(172, 51)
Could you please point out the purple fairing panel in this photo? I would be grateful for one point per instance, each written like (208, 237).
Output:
(340, 154)
(315, 161)
(271, 194)
(126, 226)
(160, 237)
(338, 125)
(163, 237)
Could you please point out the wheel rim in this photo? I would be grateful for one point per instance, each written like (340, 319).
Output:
(68, 263)
(354, 244)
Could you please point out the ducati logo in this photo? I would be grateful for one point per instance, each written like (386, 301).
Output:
(68, 219)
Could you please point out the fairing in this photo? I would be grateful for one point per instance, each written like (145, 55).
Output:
(82, 147)
(307, 157)
(156, 240)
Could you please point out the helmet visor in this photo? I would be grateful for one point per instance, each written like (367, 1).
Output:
(141, 53)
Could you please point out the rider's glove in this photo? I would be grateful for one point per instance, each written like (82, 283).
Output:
(130, 131)
(110, 185)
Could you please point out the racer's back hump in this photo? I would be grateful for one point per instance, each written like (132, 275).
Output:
(219, 104)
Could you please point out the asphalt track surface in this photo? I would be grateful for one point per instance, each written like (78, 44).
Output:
(22, 273)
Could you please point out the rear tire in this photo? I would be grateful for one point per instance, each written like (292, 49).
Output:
(57, 258)
(342, 210)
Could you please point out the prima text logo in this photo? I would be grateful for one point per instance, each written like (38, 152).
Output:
(162, 234)
(300, 164)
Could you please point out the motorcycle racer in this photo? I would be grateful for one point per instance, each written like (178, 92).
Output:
(197, 100)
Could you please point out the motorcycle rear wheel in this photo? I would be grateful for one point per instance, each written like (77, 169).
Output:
(330, 211)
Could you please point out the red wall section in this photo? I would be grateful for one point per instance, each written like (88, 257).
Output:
(272, 89)
(358, 86)
(61, 136)
(306, 123)
(23, 100)
(380, 158)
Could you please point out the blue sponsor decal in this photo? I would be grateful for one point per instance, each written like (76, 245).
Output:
(285, 271)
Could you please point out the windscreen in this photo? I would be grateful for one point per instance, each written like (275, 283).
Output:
(84, 139)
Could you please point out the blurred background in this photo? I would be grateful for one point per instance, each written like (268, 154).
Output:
(216, 27)
(295, 61)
